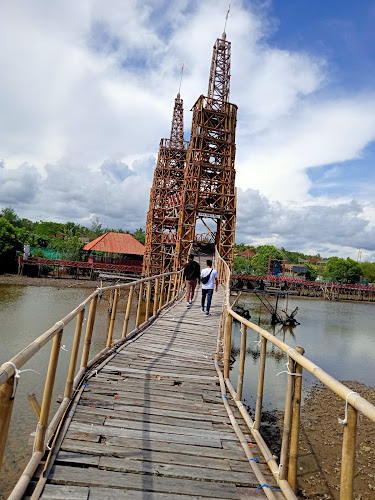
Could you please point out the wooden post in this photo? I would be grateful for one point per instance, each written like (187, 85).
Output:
(348, 455)
(6, 407)
(113, 317)
(242, 363)
(262, 369)
(287, 423)
(162, 292)
(73, 358)
(34, 405)
(294, 436)
(139, 307)
(127, 313)
(174, 286)
(156, 297)
(48, 388)
(169, 288)
(89, 330)
(148, 299)
(228, 344)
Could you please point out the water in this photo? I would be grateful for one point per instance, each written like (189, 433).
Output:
(25, 313)
(337, 336)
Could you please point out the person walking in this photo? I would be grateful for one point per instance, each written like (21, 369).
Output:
(209, 279)
(192, 272)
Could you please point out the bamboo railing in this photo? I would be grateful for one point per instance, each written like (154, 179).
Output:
(164, 288)
(285, 472)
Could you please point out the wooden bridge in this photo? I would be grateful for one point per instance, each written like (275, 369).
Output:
(154, 415)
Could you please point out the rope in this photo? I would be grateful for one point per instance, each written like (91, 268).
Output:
(267, 486)
(287, 366)
(345, 421)
(17, 375)
(100, 292)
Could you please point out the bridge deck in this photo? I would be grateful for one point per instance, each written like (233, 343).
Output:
(151, 424)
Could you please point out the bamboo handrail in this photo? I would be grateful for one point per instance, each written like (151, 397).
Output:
(8, 370)
(297, 361)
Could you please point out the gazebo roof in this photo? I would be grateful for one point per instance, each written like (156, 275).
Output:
(116, 243)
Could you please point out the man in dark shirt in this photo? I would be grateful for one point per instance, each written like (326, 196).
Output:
(192, 272)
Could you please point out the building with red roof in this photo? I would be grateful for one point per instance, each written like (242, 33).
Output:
(115, 248)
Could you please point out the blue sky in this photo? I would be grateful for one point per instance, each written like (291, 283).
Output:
(87, 92)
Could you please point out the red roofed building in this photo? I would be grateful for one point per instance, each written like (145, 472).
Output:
(115, 248)
(246, 253)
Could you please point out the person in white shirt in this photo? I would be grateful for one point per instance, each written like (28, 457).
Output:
(209, 279)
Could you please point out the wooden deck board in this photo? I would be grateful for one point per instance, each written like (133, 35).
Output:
(151, 424)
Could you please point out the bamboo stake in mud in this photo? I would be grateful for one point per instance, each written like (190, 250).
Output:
(127, 313)
(74, 355)
(294, 436)
(6, 407)
(139, 307)
(34, 404)
(113, 318)
(89, 330)
(348, 455)
(262, 369)
(227, 344)
(156, 297)
(242, 363)
(283, 469)
(148, 300)
(47, 396)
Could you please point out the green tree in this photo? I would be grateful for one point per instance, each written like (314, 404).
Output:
(140, 235)
(48, 229)
(9, 240)
(10, 215)
(73, 248)
(368, 270)
(260, 261)
(342, 270)
(97, 227)
(242, 265)
(311, 273)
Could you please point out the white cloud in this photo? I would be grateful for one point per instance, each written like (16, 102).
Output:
(87, 92)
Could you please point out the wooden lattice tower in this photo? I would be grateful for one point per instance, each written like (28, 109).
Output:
(165, 196)
(209, 189)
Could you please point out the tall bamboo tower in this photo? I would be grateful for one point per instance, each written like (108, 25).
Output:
(209, 190)
(165, 195)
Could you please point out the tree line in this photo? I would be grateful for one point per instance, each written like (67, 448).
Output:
(337, 270)
(47, 238)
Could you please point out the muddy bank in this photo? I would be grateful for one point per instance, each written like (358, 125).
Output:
(14, 279)
(319, 464)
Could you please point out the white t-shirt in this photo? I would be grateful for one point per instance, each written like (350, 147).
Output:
(211, 281)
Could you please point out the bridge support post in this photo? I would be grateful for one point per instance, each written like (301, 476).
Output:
(262, 370)
(113, 317)
(148, 300)
(242, 363)
(74, 355)
(283, 470)
(227, 344)
(128, 310)
(140, 299)
(6, 407)
(348, 455)
(156, 297)
(294, 437)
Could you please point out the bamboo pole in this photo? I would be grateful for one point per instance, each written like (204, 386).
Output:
(113, 318)
(139, 307)
(34, 404)
(156, 297)
(48, 388)
(127, 313)
(242, 363)
(174, 279)
(148, 300)
(169, 288)
(6, 407)
(73, 358)
(228, 344)
(162, 292)
(294, 436)
(283, 469)
(89, 330)
(348, 455)
(262, 370)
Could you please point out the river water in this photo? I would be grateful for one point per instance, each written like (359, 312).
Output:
(338, 337)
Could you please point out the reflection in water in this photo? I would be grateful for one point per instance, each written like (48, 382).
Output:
(25, 313)
(337, 336)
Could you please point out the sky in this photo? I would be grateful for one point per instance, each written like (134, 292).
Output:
(87, 91)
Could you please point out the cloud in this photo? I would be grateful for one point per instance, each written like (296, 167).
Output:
(87, 92)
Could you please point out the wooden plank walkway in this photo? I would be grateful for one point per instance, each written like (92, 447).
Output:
(151, 424)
